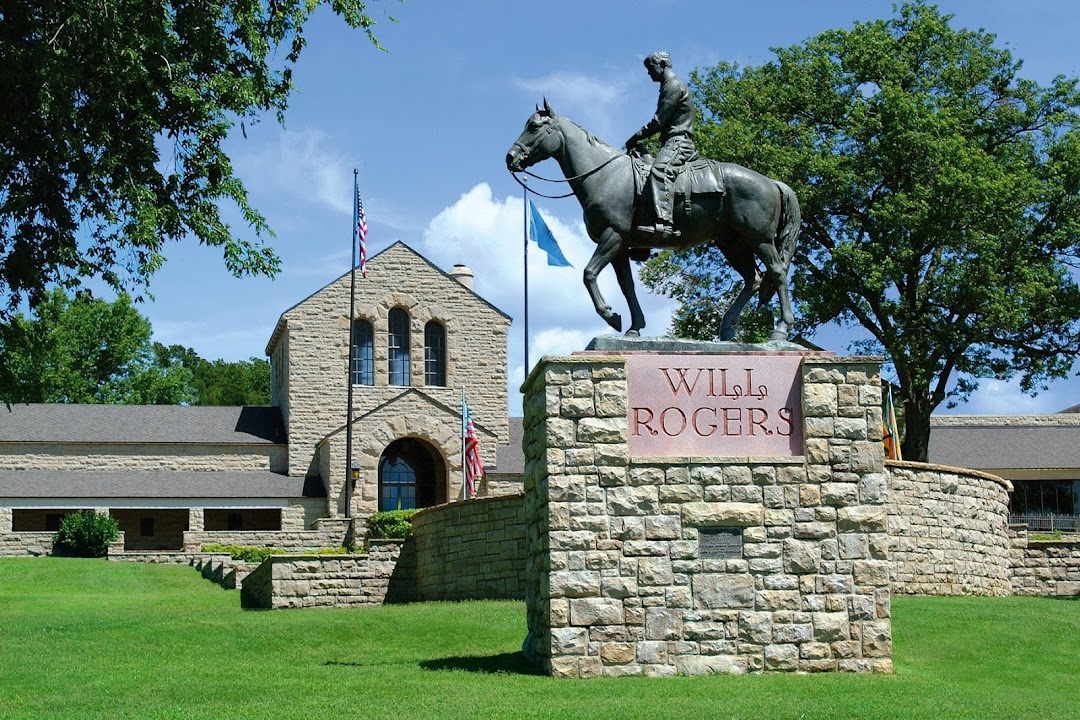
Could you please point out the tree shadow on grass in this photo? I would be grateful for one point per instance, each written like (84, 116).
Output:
(504, 664)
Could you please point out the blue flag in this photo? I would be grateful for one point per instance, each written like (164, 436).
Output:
(540, 233)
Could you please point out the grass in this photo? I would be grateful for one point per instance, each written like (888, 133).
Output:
(92, 639)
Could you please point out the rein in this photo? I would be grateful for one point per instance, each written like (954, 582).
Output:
(587, 173)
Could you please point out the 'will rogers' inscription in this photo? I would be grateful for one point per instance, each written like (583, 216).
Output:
(714, 405)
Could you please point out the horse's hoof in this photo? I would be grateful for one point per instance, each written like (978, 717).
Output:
(632, 333)
(615, 321)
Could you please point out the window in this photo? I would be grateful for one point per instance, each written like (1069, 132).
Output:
(236, 521)
(412, 474)
(434, 354)
(52, 521)
(398, 346)
(363, 353)
(146, 527)
(1045, 497)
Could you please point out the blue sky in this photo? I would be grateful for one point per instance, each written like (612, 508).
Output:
(428, 124)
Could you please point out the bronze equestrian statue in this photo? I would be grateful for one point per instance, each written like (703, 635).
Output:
(748, 216)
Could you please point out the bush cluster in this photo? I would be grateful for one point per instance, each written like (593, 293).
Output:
(391, 524)
(252, 554)
(85, 533)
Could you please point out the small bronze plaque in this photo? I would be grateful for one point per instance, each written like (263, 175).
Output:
(719, 543)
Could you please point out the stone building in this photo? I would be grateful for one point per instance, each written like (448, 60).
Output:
(177, 477)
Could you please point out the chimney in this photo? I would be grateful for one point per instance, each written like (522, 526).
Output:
(462, 274)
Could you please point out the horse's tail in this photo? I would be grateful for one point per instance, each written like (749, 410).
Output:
(787, 237)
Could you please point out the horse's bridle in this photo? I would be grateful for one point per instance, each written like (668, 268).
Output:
(527, 151)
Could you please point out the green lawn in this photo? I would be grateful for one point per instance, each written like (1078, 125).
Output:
(91, 639)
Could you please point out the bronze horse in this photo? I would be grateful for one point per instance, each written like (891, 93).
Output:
(756, 217)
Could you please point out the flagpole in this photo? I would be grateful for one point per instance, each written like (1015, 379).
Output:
(349, 363)
(525, 237)
(464, 440)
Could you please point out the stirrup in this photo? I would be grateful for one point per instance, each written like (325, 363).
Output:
(660, 230)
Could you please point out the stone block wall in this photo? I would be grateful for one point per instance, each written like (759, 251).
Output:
(949, 529)
(471, 550)
(616, 582)
(328, 532)
(21, 544)
(303, 581)
(1044, 567)
(143, 456)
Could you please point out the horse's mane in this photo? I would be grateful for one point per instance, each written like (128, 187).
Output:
(590, 136)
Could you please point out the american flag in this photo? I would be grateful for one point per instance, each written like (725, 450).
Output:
(474, 468)
(360, 230)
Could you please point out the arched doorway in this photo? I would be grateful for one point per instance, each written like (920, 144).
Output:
(412, 474)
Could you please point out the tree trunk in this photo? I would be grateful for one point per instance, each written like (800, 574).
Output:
(916, 433)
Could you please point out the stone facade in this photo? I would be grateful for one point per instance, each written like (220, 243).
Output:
(309, 351)
(949, 530)
(143, 456)
(471, 550)
(617, 584)
(1044, 567)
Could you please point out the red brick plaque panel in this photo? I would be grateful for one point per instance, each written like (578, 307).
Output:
(714, 405)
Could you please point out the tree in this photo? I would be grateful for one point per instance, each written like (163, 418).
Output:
(112, 118)
(85, 350)
(217, 382)
(940, 198)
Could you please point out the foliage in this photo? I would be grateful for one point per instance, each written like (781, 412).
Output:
(85, 350)
(113, 114)
(255, 554)
(940, 195)
(391, 524)
(149, 640)
(85, 534)
(1053, 536)
(218, 382)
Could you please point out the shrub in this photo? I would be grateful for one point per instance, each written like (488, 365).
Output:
(391, 524)
(85, 533)
(252, 554)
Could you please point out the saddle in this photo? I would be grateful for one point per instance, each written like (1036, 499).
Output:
(700, 176)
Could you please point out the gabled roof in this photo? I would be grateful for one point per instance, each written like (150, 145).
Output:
(279, 327)
(173, 424)
(154, 484)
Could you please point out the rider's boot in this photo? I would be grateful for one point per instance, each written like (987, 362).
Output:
(664, 229)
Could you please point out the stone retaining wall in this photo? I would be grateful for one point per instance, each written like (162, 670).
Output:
(1044, 567)
(471, 550)
(949, 530)
(328, 532)
(303, 581)
(21, 544)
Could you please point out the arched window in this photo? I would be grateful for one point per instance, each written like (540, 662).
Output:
(435, 354)
(398, 346)
(363, 353)
(411, 475)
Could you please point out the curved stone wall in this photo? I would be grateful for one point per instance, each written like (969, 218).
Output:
(471, 550)
(949, 529)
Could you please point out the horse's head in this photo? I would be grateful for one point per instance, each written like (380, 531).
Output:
(537, 142)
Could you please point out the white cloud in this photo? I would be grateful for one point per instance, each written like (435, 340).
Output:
(998, 397)
(486, 234)
(301, 164)
(593, 102)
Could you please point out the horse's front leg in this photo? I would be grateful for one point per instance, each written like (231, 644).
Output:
(625, 275)
(607, 247)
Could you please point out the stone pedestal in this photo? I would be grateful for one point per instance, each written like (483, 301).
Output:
(706, 562)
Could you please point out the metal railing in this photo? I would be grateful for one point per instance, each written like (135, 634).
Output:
(1047, 523)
